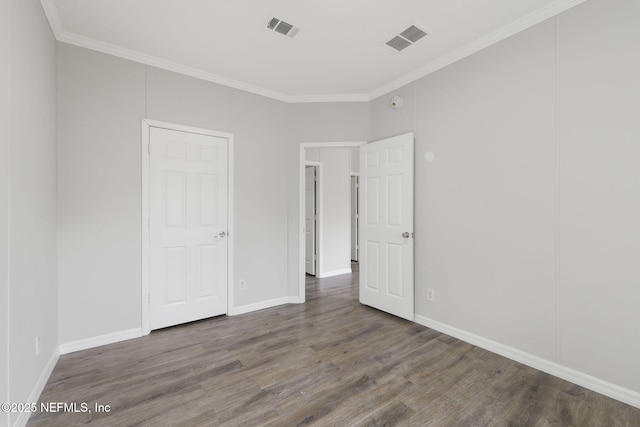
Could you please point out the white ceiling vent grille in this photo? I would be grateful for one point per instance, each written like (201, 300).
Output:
(406, 38)
(281, 27)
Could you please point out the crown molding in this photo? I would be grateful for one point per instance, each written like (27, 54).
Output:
(528, 21)
(51, 11)
(490, 39)
(356, 97)
(110, 49)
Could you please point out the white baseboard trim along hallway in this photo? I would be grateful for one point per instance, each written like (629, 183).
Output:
(326, 274)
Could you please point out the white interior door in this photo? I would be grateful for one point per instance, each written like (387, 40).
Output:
(386, 225)
(310, 220)
(188, 225)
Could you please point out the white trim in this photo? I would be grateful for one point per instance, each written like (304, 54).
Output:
(165, 64)
(613, 391)
(319, 216)
(301, 178)
(348, 97)
(99, 340)
(324, 275)
(477, 45)
(51, 11)
(23, 418)
(243, 309)
(508, 30)
(145, 287)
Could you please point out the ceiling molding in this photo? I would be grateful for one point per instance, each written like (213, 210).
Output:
(92, 44)
(329, 98)
(110, 49)
(528, 21)
(51, 11)
(479, 44)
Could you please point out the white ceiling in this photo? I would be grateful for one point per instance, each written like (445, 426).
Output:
(339, 54)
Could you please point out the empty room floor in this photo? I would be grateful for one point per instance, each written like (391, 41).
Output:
(329, 362)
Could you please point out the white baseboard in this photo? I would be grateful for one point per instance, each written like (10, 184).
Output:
(613, 391)
(262, 305)
(326, 274)
(38, 388)
(111, 338)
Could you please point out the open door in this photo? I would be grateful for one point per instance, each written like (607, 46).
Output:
(354, 217)
(386, 225)
(310, 220)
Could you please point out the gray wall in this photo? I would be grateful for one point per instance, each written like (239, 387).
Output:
(527, 221)
(28, 289)
(102, 102)
(599, 190)
(259, 128)
(4, 207)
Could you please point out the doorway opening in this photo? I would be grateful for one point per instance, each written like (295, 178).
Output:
(325, 265)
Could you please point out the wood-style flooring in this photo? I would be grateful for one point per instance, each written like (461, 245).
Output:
(329, 362)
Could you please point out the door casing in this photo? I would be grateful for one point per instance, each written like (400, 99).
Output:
(145, 284)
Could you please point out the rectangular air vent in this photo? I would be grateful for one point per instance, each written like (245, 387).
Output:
(279, 26)
(406, 38)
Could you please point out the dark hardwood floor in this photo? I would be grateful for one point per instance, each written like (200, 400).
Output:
(329, 362)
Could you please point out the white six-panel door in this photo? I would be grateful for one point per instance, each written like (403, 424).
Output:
(386, 225)
(188, 226)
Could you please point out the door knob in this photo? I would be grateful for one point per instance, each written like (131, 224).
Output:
(406, 234)
(220, 235)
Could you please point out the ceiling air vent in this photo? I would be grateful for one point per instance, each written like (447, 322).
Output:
(281, 27)
(406, 38)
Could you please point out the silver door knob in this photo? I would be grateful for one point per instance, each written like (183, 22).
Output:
(220, 235)
(406, 234)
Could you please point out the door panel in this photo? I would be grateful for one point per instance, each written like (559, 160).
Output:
(386, 257)
(188, 214)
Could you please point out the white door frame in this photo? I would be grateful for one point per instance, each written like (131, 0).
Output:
(318, 242)
(145, 286)
(301, 198)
